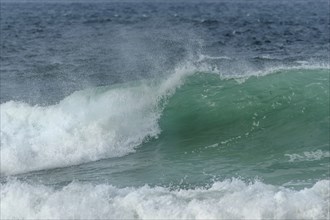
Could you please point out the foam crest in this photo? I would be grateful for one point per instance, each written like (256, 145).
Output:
(230, 199)
(308, 156)
(86, 126)
(246, 74)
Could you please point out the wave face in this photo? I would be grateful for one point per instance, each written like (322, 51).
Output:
(230, 199)
(285, 111)
(274, 126)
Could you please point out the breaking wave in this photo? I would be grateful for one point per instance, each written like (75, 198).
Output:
(112, 121)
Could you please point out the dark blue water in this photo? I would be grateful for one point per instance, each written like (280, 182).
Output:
(49, 50)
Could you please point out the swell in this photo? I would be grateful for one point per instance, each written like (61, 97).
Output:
(112, 121)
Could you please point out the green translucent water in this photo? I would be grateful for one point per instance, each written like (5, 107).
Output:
(249, 129)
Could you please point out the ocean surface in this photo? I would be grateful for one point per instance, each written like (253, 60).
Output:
(165, 109)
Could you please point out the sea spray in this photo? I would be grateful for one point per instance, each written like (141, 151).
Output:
(86, 126)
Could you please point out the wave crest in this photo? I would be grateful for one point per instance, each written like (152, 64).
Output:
(86, 126)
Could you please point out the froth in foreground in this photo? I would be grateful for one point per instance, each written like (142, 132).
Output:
(229, 199)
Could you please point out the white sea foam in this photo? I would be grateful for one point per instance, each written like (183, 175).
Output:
(85, 126)
(230, 199)
(308, 156)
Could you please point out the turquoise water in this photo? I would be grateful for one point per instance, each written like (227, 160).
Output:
(250, 128)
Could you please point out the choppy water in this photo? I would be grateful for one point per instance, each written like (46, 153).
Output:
(164, 110)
